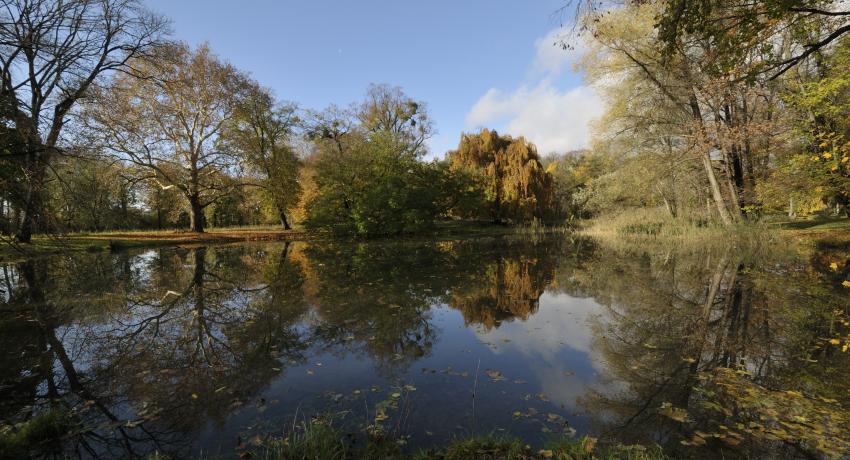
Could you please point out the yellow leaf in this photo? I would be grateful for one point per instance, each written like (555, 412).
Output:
(834, 341)
(846, 284)
(545, 453)
(827, 155)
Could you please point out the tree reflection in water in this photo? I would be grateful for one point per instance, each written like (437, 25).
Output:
(141, 351)
(675, 321)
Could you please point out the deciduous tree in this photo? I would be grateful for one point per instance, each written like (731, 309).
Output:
(169, 122)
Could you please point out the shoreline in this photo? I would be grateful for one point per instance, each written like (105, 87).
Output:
(44, 245)
(827, 233)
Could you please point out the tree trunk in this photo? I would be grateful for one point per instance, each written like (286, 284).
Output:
(196, 215)
(715, 189)
(716, 195)
(284, 221)
(28, 214)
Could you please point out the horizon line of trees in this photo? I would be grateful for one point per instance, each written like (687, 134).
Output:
(107, 123)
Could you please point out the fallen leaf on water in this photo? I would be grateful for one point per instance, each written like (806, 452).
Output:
(519, 381)
(494, 375)
(310, 372)
(668, 410)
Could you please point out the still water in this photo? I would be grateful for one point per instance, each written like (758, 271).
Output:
(210, 349)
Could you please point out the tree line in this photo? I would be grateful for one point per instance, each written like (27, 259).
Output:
(716, 110)
(107, 123)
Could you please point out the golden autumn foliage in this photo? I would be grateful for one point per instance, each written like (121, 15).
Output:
(514, 183)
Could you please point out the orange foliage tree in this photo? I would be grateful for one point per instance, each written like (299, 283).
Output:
(515, 186)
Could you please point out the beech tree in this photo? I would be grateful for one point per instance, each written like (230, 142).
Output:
(51, 54)
(168, 123)
(512, 179)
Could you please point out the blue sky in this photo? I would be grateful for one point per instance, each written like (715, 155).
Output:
(475, 63)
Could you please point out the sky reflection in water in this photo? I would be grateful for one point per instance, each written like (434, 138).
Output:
(183, 349)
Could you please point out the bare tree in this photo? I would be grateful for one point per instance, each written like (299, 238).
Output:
(51, 54)
(168, 123)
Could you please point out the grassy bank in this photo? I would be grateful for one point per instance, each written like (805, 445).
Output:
(648, 225)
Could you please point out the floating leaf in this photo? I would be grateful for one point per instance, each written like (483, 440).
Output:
(494, 375)
(668, 410)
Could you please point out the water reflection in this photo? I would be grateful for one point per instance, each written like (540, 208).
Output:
(182, 349)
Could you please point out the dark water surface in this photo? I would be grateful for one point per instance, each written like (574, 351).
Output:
(184, 350)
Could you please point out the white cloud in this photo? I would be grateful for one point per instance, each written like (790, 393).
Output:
(556, 120)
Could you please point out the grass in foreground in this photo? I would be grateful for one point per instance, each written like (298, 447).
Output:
(318, 440)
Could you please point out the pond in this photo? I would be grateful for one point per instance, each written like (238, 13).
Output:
(184, 350)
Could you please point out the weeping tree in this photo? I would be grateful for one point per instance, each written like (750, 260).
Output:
(261, 132)
(51, 54)
(168, 124)
(514, 183)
